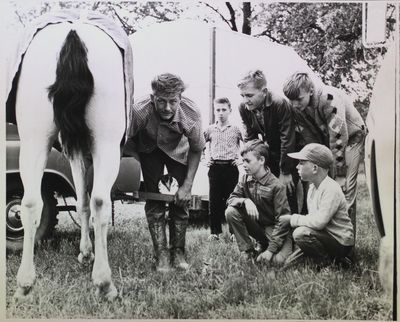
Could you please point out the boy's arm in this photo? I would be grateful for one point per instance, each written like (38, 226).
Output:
(281, 207)
(249, 133)
(335, 113)
(318, 221)
(238, 196)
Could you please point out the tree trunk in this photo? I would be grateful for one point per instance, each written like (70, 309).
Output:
(246, 27)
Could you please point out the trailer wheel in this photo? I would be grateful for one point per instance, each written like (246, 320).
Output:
(14, 228)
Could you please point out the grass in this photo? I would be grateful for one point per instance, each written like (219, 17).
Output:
(226, 288)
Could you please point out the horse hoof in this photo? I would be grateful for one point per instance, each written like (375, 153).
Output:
(86, 260)
(23, 295)
(108, 292)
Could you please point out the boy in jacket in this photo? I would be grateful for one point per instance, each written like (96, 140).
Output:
(256, 204)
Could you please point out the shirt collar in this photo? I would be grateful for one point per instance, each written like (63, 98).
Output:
(267, 103)
(263, 180)
(225, 126)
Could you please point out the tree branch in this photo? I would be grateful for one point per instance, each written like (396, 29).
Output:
(268, 34)
(233, 17)
(217, 11)
(127, 27)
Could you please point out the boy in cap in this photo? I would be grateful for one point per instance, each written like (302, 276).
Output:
(256, 204)
(326, 231)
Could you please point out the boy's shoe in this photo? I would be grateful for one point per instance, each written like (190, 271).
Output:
(248, 255)
(213, 237)
(259, 248)
(294, 258)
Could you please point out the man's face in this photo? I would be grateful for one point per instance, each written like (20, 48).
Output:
(221, 112)
(166, 105)
(306, 169)
(251, 164)
(303, 100)
(252, 97)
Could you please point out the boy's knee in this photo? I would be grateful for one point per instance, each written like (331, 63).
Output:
(301, 233)
(231, 214)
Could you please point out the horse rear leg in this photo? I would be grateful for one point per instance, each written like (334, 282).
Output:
(78, 169)
(33, 157)
(105, 166)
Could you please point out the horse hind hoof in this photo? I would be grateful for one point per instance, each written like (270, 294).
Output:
(23, 295)
(86, 260)
(108, 292)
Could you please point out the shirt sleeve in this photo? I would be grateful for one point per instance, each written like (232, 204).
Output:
(335, 113)
(138, 116)
(249, 132)
(196, 137)
(328, 207)
(281, 207)
(207, 135)
(238, 196)
(288, 137)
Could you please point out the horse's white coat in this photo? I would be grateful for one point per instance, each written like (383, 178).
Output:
(105, 117)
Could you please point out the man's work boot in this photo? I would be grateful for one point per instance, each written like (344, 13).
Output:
(179, 259)
(177, 237)
(158, 235)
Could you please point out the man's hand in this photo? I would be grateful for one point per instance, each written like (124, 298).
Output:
(251, 209)
(342, 182)
(265, 256)
(183, 195)
(284, 220)
(287, 180)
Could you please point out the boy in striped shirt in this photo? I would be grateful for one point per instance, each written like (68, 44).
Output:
(224, 143)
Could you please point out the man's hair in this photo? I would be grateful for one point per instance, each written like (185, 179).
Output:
(295, 83)
(167, 84)
(222, 100)
(256, 77)
(258, 147)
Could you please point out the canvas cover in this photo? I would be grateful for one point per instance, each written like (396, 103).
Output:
(116, 33)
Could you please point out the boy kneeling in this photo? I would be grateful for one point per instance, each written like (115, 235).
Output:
(256, 204)
(326, 232)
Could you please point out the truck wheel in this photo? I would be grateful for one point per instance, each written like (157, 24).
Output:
(14, 229)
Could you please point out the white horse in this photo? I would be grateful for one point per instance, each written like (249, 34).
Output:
(71, 83)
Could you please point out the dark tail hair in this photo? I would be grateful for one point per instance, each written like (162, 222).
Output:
(71, 93)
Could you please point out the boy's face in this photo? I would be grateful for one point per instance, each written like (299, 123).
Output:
(303, 100)
(252, 164)
(166, 105)
(252, 97)
(221, 112)
(306, 170)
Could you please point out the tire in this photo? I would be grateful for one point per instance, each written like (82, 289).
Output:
(14, 229)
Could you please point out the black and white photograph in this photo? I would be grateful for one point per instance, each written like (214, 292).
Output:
(200, 159)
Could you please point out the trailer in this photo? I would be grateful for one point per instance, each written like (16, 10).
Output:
(211, 61)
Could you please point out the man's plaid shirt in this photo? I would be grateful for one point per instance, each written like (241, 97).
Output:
(174, 137)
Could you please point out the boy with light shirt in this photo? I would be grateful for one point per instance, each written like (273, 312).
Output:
(255, 206)
(326, 231)
(224, 143)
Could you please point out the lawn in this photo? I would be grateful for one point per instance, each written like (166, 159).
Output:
(219, 285)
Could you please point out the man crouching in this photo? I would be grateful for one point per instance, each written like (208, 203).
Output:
(254, 208)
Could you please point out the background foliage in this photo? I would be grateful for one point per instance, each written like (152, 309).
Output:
(327, 35)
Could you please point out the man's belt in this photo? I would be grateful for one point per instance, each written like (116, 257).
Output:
(222, 162)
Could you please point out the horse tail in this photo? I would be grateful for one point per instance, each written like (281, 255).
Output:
(71, 93)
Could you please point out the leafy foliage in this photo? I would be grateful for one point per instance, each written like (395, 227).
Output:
(327, 35)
